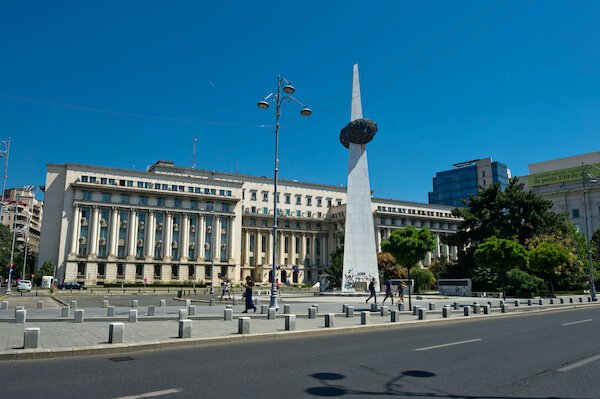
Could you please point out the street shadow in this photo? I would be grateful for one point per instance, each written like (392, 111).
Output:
(330, 386)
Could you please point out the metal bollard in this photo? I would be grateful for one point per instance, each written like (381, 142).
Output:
(73, 304)
(349, 311)
(104, 303)
(21, 316)
(329, 319)
(40, 305)
(551, 301)
(192, 310)
(422, 314)
(401, 307)
(365, 317)
(570, 300)
(431, 306)
(78, 316)
(562, 300)
(486, 309)
(287, 309)
(271, 313)
(151, 310)
(116, 333)
(384, 311)
(110, 311)
(66, 311)
(491, 304)
(312, 312)
(163, 302)
(228, 314)
(580, 299)
(244, 325)
(374, 307)
(446, 312)
(394, 316)
(467, 310)
(290, 322)
(133, 316)
(185, 328)
(183, 314)
(31, 340)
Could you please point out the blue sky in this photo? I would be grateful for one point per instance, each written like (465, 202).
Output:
(125, 83)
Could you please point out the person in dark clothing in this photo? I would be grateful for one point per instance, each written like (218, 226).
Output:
(248, 295)
(372, 290)
(388, 291)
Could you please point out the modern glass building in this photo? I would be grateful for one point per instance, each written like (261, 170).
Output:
(453, 187)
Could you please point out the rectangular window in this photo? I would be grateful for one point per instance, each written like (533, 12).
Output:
(143, 200)
(177, 203)
(308, 200)
(181, 188)
(265, 195)
(575, 213)
(140, 184)
(298, 200)
(160, 201)
(87, 196)
(298, 213)
(328, 201)
(194, 204)
(198, 190)
(84, 179)
(225, 207)
(157, 271)
(112, 182)
(124, 198)
(93, 179)
(253, 195)
(222, 192)
(190, 189)
(129, 183)
(105, 197)
(288, 198)
(309, 214)
(266, 211)
(319, 201)
(103, 180)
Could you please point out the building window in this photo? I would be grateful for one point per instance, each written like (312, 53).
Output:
(143, 200)
(87, 196)
(124, 198)
(298, 213)
(575, 213)
(308, 200)
(288, 198)
(105, 197)
(265, 195)
(101, 269)
(160, 201)
(298, 200)
(319, 201)
(139, 271)
(266, 210)
(81, 269)
(103, 180)
(177, 203)
(157, 271)
(120, 270)
(194, 204)
(253, 195)
(84, 179)
(129, 183)
(93, 179)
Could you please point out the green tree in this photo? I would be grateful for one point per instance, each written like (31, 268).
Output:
(523, 284)
(500, 255)
(549, 259)
(6, 239)
(424, 279)
(336, 267)
(388, 267)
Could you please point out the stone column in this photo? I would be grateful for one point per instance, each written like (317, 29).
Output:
(94, 228)
(246, 235)
(313, 250)
(257, 248)
(168, 236)
(75, 229)
(281, 248)
(131, 234)
(270, 248)
(292, 249)
(302, 249)
(217, 239)
(114, 236)
(230, 240)
(201, 232)
(185, 237)
(150, 235)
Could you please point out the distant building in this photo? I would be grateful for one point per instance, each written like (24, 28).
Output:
(452, 187)
(23, 211)
(561, 181)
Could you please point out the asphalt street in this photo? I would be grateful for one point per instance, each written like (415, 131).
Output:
(544, 355)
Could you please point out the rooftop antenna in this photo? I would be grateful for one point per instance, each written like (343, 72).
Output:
(194, 157)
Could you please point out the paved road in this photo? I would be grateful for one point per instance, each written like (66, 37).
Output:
(544, 355)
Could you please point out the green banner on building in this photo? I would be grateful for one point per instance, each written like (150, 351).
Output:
(560, 176)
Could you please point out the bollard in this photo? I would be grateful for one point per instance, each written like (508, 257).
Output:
(290, 322)
(134, 303)
(312, 312)
(490, 303)
(373, 307)
(503, 308)
(529, 302)
(257, 301)
(73, 304)
(467, 310)
(211, 302)
(116, 333)
(185, 328)
(384, 311)
(401, 307)
(349, 311)
(570, 300)
(4, 305)
(456, 305)
(316, 306)
(183, 314)
(264, 309)
(329, 319)
(476, 308)
(31, 340)
(562, 300)
(422, 314)
(110, 311)
(234, 300)
(486, 309)
(271, 313)
(188, 302)
(40, 305)
(580, 299)
(21, 316)
(365, 317)
(431, 306)
(104, 303)
(416, 310)
(133, 315)
(244, 325)
(551, 301)
(287, 309)
(517, 303)
(446, 312)
(192, 310)
(66, 312)
(78, 316)
(344, 306)
(228, 314)
(501, 303)
(589, 299)
(163, 302)
(394, 316)
(540, 301)
(151, 310)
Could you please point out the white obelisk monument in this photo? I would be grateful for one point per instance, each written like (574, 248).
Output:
(360, 253)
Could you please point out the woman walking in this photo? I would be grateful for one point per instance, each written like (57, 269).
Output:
(248, 295)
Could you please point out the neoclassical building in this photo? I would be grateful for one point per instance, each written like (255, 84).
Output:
(105, 225)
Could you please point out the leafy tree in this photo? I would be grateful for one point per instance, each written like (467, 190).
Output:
(500, 255)
(424, 279)
(388, 267)
(336, 267)
(523, 284)
(548, 258)
(6, 238)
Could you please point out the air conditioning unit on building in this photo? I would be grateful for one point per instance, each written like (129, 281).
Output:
(123, 224)
(208, 229)
(223, 231)
(207, 246)
(103, 222)
(174, 244)
(141, 224)
(84, 221)
(140, 243)
(175, 227)
(121, 242)
(223, 246)
(82, 240)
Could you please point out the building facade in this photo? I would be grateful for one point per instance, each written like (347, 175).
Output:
(22, 213)
(104, 225)
(452, 187)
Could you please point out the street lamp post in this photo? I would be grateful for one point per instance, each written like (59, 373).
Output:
(212, 257)
(12, 250)
(288, 89)
(585, 175)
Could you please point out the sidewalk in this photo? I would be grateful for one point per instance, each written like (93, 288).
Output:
(62, 336)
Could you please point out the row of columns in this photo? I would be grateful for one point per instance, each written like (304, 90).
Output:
(293, 257)
(441, 250)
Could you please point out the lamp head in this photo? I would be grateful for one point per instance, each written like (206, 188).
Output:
(305, 111)
(262, 104)
(288, 89)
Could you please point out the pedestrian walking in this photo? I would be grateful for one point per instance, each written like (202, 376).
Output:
(372, 290)
(226, 290)
(401, 291)
(248, 295)
(388, 291)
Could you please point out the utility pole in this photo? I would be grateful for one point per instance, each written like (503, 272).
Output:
(194, 157)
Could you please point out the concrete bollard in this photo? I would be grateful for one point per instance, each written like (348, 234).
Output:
(456, 305)
(401, 307)
(422, 313)
(188, 303)
(66, 311)
(476, 308)
(183, 314)
(312, 312)
(491, 304)
(21, 316)
(192, 310)
(504, 308)
(73, 304)
(365, 317)
(78, 316)
(551, 301)
(446, 312)
(394, 316)
(329, 319)
(234, 300)
(580, 299)
(134, 303)
(290, 322)
(344, 306)
(349, 311)
(110, 311)
(589, 299)
(163, 303)
(416, 310)
(133, 316)
(517, 303)
(570, 300)
(540, 301)
(263, 309)
(562, 300)
(185, 328)
(40, 305)
(211, 302)
(31, 340)
(244, 325)
(4, 305)
(384, 311)
(287, 309)
(374, 307)
(116, 333)
(151, 310)
(104, 303)
(486, 309)
(271, 313)
(529, 302)
(316, 306)
(431, 306)
(467, 310)
(18, 308)
(228, 314)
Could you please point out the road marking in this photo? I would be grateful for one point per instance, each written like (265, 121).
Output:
(576, 322)
(579, 363)
(450, 344)
(151, 394)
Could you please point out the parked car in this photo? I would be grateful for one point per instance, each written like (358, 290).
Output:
(24, 285)
(72, 285)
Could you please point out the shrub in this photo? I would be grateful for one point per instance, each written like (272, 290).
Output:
(523, 284)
